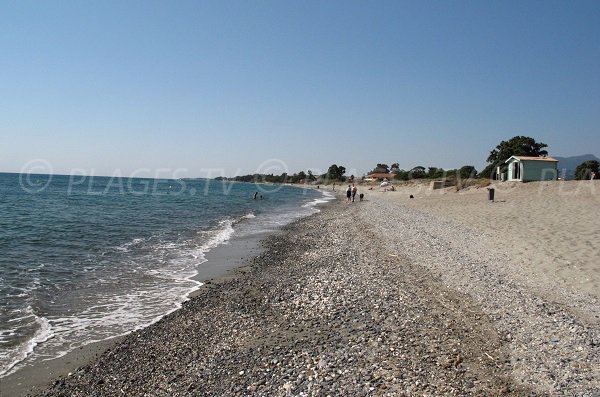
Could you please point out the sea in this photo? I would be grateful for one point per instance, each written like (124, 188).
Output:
(84, 259)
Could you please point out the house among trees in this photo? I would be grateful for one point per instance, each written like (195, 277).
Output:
(379, 176)
(527, 169)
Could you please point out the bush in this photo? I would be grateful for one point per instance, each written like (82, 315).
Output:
(585, 169)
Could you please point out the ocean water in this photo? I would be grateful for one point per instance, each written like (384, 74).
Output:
(86, 259)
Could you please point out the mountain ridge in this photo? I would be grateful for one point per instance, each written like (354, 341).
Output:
(567, 165)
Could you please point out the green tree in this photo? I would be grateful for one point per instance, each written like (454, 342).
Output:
(467, 172)
(585, 169)
(417, 172)
(380, 169)
(335, 173)
(395, 167)
(401, 175)
(311, 177)
(515, 146)
(434, 172)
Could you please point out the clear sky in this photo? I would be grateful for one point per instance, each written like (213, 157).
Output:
(111, 87)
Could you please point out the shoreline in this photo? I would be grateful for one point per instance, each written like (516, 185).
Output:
(379, 297)
(297, 319)
(222, 263)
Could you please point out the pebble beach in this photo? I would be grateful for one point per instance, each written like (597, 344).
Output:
(384, 297)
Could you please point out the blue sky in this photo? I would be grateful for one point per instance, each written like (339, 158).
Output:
(112, 87)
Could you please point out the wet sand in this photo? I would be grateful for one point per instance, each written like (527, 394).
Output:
(221, 263)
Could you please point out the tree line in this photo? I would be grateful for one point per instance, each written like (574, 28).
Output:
(334, 173)
(420, 172)
(516, 146)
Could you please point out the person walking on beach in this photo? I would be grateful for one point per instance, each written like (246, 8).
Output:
(354, 190)
(348, 193)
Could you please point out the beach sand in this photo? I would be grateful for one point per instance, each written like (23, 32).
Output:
(550, 229)
(387, 297)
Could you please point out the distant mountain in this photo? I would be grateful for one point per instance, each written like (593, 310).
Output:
(567, 165)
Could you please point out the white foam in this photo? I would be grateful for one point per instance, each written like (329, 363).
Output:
(125, 247)
(221, 236)
(169, 267)
(175, 264)
(314, 203)
(110, 317)
(16, 355)
(322, 200)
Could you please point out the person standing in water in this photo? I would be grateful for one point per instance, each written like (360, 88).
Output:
(255, 194)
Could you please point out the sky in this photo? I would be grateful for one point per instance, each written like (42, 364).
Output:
(210, 88)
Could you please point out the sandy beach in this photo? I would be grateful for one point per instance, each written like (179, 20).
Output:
(443, 294)
(549, 229)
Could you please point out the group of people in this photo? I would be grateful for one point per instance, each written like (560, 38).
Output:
(351, 193)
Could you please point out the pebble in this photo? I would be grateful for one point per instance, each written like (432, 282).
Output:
(359, 300)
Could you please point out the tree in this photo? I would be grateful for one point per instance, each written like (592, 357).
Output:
(585, 169)
(516, 146)
(467, 172)
(381, 169)
(402, 175)
(434, 172)
(311, 177)
(395, 167)
(417, 172)
(335, 173)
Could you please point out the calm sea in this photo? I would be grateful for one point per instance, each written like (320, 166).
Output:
(86, 259)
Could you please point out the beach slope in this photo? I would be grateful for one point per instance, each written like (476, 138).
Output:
(369, 298)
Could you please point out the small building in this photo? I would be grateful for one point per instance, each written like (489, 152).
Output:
(441, 184)
(527, 169)
(376, 176)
